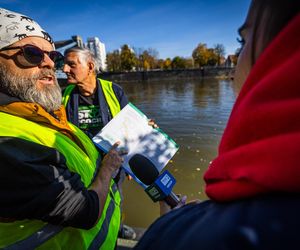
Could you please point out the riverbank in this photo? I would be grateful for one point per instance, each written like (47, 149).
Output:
(158, 75)
(165, 75)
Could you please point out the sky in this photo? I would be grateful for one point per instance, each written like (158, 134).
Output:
(171, 27)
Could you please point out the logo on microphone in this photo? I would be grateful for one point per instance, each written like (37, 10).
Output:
(165, 180)
(161, 187)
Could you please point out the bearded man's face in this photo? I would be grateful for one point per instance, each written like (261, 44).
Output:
(36, 84)
(27, 90)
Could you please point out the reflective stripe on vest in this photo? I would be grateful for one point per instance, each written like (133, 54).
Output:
(110, 96)
(48, 231)
(36, 234)
(36, 239)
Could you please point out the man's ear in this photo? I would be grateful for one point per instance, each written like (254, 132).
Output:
(91, 66)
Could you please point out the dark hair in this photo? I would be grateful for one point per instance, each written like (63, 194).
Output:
(277, 13)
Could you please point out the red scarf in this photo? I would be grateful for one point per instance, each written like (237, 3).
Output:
(260, 148)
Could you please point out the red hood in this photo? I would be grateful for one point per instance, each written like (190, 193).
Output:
(260, 149)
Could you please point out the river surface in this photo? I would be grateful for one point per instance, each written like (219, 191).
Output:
(192, 112)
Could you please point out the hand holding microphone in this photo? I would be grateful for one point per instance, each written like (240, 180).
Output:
(165, 208)
(159, 186)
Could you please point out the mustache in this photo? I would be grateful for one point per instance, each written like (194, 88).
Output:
(44, 73)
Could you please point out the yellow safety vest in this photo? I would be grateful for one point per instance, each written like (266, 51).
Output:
(34, 234)
(112, 100)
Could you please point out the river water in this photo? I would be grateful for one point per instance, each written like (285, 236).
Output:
(192, 112)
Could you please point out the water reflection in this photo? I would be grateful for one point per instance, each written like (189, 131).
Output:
(194, 113)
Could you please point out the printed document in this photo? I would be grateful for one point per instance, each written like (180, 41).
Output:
(130, 127)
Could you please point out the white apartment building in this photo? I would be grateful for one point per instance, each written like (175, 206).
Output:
(98, 49)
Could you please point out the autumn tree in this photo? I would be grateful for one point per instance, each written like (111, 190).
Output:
(167, 64)
(113, 61)
(200, 54)
(153, 57)
(203, 55)
(160, 64)
(212, 57)
(128, 59)
(148, 60)
(139, 58)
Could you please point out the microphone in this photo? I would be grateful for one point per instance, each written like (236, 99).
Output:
(159, 186)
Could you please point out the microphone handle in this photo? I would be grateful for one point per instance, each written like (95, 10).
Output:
(172, 200)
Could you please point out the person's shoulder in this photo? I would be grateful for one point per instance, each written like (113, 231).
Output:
(117, 86)
(119, 92)
(114, 85)
(118, 89)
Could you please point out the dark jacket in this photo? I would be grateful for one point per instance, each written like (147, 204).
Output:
(267, 222)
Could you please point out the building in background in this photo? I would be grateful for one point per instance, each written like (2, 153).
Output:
(98, 49)
(93, 44)
(61, 46)
(75, 41)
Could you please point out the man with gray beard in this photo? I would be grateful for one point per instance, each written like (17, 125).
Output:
(55, 190)
(25, 88)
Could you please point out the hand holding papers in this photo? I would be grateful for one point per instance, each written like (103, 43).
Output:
(130, 127)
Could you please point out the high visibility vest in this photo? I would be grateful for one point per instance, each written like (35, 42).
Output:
(36, 234)
(110, 96)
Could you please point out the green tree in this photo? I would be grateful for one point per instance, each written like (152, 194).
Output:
(178, 63)
(128, 59)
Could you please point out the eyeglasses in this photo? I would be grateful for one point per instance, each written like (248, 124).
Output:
(35, 56)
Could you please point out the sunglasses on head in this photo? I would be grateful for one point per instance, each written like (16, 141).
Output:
(35, 56)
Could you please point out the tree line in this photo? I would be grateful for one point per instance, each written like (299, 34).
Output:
(129, 59)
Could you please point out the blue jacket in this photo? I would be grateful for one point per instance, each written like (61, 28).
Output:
(260, 223)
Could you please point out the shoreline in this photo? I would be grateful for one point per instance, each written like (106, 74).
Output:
(176, 74)
(225, 73)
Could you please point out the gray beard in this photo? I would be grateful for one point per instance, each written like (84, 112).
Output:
(49, 97)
